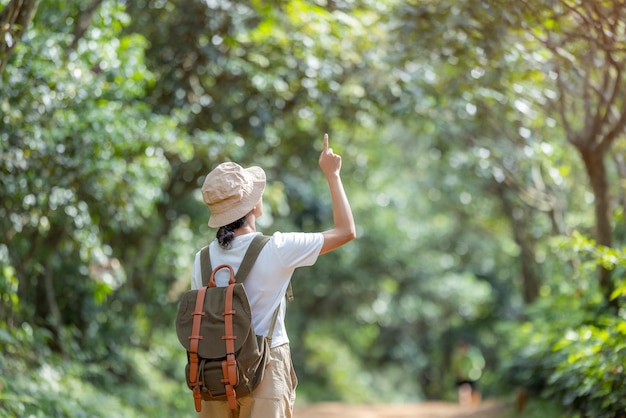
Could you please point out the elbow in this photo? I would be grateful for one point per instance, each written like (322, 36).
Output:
(350, 234)
(335, 238)
(345, 233)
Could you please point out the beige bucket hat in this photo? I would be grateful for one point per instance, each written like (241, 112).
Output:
(230, 192)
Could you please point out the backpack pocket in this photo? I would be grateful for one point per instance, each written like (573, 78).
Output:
(211, 376)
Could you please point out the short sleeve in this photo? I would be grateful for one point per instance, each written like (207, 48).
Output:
(298, 249)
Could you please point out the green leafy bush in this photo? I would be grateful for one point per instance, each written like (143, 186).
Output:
(573, 347)
(36, 383)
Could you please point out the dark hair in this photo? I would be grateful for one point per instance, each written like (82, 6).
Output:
(225, 234)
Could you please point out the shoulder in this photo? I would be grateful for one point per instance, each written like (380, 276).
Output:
(199, 252)
(298, 239)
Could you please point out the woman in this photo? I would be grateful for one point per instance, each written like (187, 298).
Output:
(233, 195)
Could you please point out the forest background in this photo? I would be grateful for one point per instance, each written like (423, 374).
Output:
(484, 156)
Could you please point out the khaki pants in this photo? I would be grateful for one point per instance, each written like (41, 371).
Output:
(273, 398)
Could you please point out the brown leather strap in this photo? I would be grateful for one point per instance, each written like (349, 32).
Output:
(218, 268)
(195, 337)
(229, 366)
(231, 395)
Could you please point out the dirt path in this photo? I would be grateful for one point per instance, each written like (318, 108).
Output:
(487, 409)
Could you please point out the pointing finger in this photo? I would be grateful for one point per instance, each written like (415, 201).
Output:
(325, 142)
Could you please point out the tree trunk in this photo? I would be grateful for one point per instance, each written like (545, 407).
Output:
(530, 279)
(596, 170)
(14, 21)
(620, 163)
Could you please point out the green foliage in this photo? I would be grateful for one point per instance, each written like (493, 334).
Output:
(455, 161)
(331, 353)
(572, 348)
(9, 284)
(83, 161)
(42, 384)
(538, 408)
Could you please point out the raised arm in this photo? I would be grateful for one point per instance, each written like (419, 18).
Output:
(344, 230)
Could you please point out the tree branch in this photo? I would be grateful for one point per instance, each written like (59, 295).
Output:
(14, 19)
(83, 22)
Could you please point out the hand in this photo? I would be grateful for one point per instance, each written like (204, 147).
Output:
(329, 162)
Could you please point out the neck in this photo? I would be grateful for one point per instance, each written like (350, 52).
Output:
(247, 228)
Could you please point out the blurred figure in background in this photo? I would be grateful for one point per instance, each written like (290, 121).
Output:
(467, 364)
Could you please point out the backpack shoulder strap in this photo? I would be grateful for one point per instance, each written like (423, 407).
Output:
(205, 265)
(249, 259)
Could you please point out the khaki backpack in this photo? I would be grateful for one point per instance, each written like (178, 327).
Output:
(225, 357)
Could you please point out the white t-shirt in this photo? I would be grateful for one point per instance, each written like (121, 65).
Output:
(268, 280)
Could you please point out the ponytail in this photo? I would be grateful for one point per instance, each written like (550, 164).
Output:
(225, 235)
